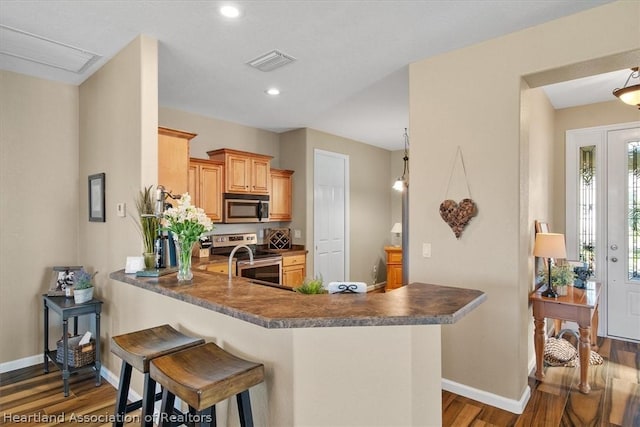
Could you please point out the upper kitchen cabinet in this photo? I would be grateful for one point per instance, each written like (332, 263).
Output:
(244, 172)
(173, 159)
(281, 191)
(205, 186)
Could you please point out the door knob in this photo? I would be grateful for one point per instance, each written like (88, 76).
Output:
(614, 247)
(614, 259)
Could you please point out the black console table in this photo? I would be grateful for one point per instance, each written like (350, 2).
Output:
(67, 308)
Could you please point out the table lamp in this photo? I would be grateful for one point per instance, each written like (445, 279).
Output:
(397, 230)
(550, 245)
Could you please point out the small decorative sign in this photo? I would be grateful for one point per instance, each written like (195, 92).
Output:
(62, 279)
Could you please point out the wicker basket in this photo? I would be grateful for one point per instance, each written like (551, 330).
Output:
(78, 355)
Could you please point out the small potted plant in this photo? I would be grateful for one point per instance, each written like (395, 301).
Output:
(83, 286)
(561, 277)
(147, 224)
(311, 286)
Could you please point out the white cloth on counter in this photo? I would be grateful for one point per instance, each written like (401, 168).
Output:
(347, 287)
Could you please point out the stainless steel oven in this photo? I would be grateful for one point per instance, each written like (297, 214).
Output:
(239, 208)
(267, 266)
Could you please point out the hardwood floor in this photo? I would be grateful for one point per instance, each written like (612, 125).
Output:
(614, 399)
(28, 397)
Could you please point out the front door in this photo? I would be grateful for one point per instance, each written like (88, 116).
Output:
(623, 233)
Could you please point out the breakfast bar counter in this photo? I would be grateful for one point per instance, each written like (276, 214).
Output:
(415, 304)
(369, 359)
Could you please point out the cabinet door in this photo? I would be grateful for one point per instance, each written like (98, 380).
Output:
(260, 176)
(210, 191)
(193, 184)
(218, 268)
(293, 275)
(173, 160)
(238, 174)
(280, 202)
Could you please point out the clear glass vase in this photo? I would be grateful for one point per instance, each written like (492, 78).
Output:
(183, 254)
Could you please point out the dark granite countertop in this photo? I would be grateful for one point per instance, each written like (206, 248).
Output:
(414, 304)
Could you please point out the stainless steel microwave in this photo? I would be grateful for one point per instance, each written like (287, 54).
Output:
(239, 208)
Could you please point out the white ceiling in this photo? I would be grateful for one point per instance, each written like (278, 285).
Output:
(350, 77)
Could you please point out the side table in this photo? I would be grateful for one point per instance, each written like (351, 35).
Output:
(580, 306)
(67, 308)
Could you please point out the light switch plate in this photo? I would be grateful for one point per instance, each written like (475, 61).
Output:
(121, 209)
(297, 234)
(426, 250)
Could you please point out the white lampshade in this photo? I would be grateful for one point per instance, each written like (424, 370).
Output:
(397, 228)
(550, 245)
(398, 185)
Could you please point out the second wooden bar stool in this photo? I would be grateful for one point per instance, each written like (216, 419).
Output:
(137, 349)
(203, 376)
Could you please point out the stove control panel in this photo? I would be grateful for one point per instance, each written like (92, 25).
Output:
(224, 240)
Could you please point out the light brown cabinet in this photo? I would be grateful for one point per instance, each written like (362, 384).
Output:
(394, 267)
(244, 172)
(293, 269)
(280, 203)
(173, 160)
(205, 186)
(221, 267)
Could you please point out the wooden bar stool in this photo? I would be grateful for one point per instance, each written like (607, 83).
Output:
(203, 376)
(136, 349)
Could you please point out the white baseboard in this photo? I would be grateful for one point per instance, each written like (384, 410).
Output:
(13, 365)
(511, 405)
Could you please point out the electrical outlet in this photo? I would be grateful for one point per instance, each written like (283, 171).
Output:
(426, 250)
(121, 209)
(297, 234)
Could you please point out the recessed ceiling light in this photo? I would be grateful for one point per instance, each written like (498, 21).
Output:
(273, 91)
(229, 11)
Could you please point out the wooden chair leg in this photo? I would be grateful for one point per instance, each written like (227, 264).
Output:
(123, 394)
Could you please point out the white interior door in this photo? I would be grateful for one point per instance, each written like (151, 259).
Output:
(623, 233)
(330, 215)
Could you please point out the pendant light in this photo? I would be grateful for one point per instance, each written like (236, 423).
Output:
(630, 94)
(401, 182)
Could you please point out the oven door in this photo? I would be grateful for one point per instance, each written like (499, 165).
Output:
(266, 271)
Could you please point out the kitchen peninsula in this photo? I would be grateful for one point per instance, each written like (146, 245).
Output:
(330, 360)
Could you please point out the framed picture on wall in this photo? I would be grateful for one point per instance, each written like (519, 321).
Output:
(62, 279)
(96, 198)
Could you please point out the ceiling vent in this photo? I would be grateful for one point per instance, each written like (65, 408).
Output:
(31, 47)
(270, 61)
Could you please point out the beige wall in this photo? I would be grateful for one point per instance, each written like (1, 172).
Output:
(38, 202)
(214, 133)
(292, 155)
(118, 133)
(370, 198)
(487, 127)
(601, 114)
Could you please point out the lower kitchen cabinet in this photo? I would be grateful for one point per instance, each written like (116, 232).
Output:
(293, 269)
(221, 267)
(205, 186)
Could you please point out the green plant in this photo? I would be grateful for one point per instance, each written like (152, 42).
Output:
(83, 280)
(311, 286)
(147, 222)
(561, 275)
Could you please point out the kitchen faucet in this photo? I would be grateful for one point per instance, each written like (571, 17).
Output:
(233, 253)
